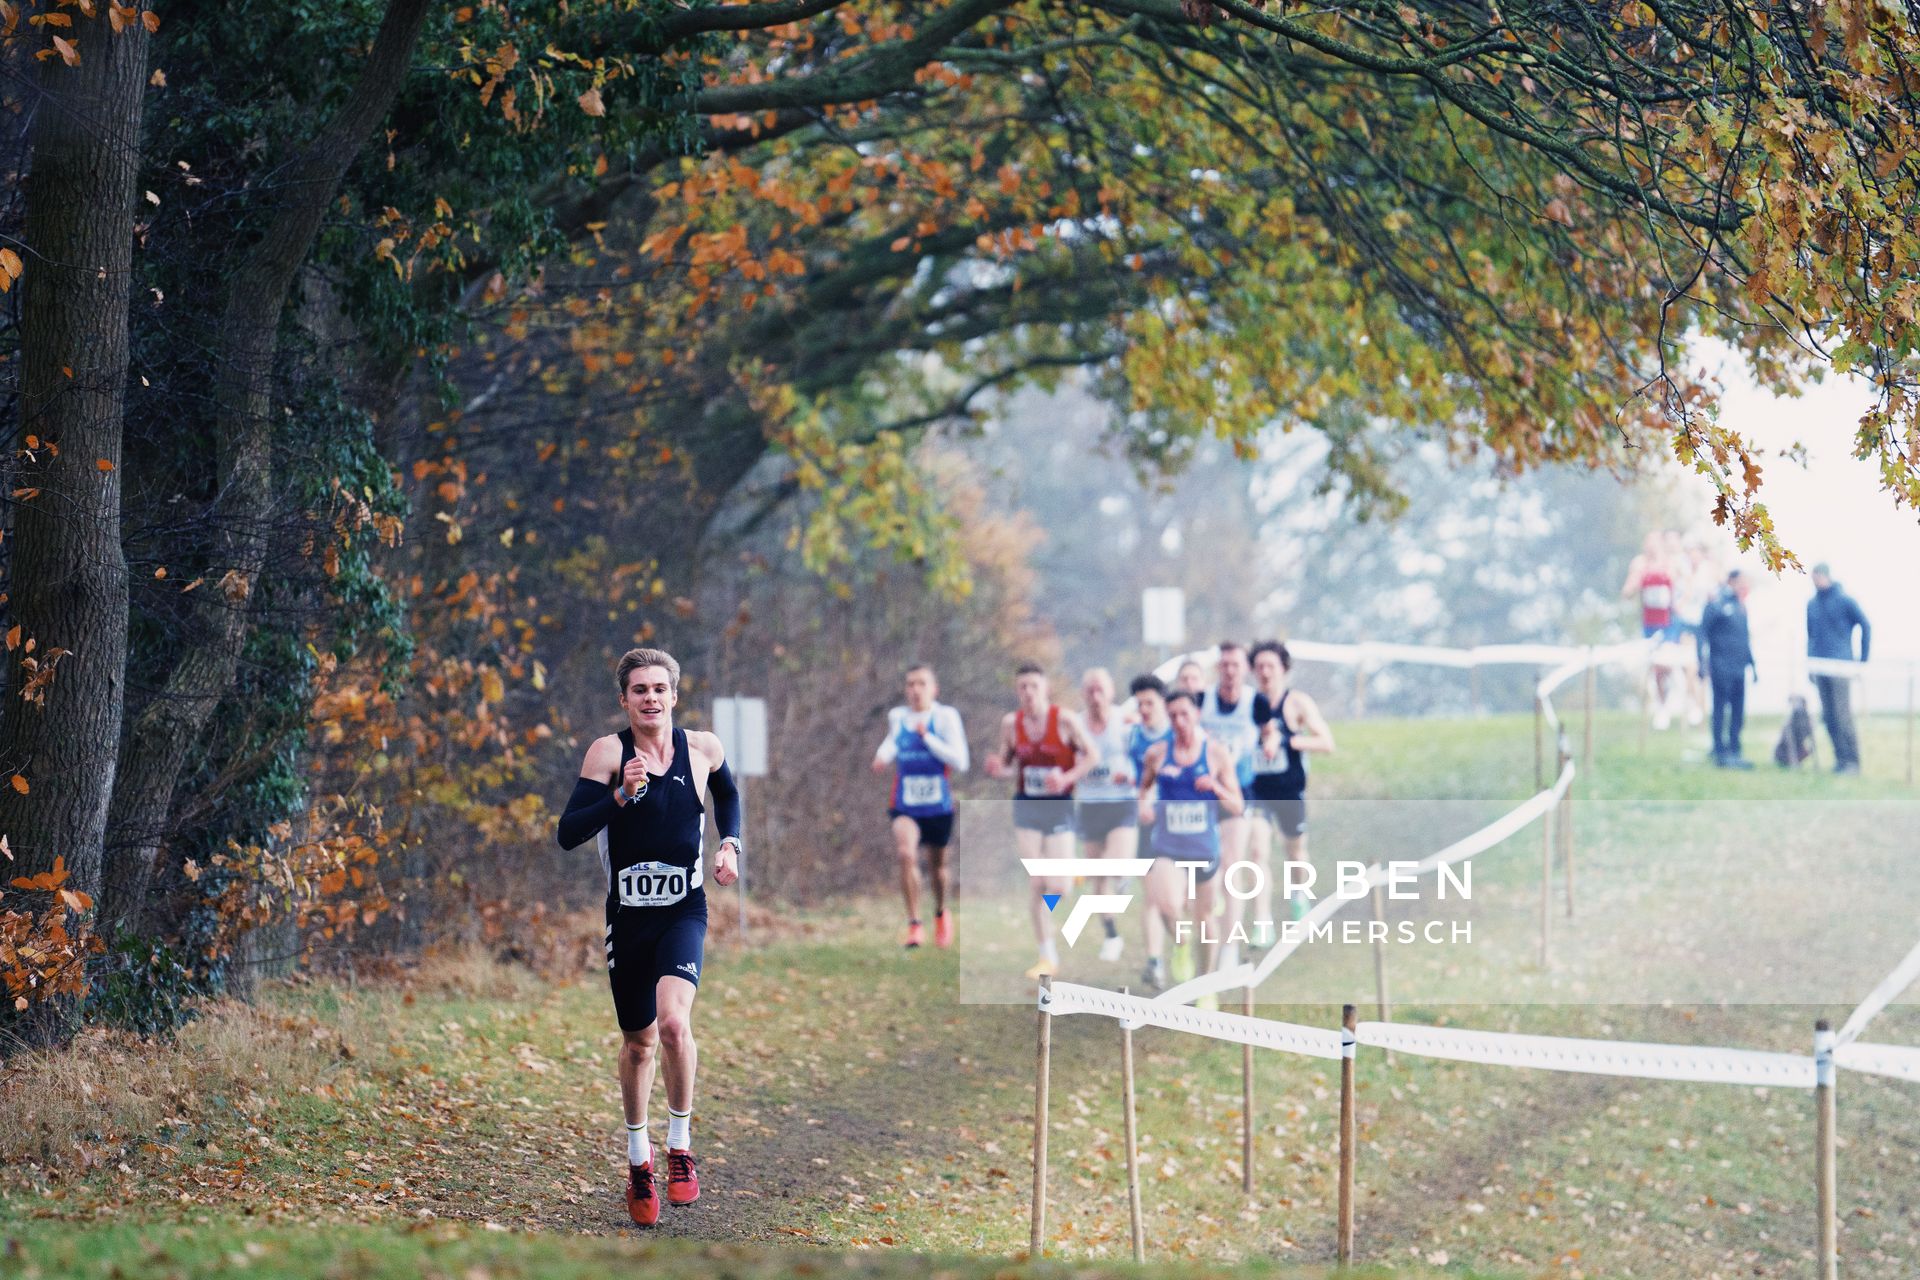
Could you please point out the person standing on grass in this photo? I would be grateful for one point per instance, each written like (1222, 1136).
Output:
(925, 745)
(1729, 664)
(1832, 617)
(642, 792)
(1044, 748)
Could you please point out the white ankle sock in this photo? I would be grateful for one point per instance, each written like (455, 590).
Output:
(679, 1130)
(639, 1149)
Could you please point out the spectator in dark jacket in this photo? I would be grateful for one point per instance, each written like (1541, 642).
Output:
(1832, 616)
(1723, 629)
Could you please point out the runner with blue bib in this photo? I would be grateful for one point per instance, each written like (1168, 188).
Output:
(925, 745)
(1188, 786)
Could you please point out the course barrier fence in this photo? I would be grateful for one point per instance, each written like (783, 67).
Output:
(1550, 805)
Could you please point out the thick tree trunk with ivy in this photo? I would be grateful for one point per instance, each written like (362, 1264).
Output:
(260, 285)
(60, 725)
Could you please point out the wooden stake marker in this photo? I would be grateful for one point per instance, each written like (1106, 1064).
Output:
(1566, 830)
(1586, 753)
(1041, 1081)
(1246, 1101)
(1135, 1222)
(1824, 1143)
(1349, 1020)
(1380, 963)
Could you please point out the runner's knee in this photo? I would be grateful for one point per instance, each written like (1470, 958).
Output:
(676, 1029)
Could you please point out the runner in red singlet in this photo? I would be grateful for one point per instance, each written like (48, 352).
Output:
(1045, 749)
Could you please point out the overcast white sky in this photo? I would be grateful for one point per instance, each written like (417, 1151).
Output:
(1831, 509)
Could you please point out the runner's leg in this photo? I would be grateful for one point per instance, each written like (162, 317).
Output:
(906, 850)
(1233, 848)
(937, 874)
(1260, 852)
(1163, 908)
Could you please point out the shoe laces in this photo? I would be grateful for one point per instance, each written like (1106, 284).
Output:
(679, 1166)
(640, 1181)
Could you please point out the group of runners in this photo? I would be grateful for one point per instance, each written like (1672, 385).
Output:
(1195, 775)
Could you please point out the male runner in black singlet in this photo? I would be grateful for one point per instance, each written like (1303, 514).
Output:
(641, 792)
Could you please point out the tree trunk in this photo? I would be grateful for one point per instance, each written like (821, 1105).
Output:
(69, 577)
(259, 286)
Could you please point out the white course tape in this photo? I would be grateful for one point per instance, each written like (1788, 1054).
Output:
(1262, 1033)
(1896, 1060)
(1595, 1057)
(1903, 976)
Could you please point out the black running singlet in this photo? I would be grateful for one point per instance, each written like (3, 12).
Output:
(651, 849)
(1281, 777)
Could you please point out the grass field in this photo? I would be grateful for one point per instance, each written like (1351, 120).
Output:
(853, 1111)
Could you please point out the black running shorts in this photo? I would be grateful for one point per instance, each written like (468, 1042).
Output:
(645, 945)
(1098, 819)
(936, 830)
(1289, 816)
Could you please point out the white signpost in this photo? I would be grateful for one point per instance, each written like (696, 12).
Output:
(1163, 617)
(741, 724)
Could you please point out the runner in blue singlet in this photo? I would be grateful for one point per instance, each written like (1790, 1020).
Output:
(925, 745)
(1187, 784)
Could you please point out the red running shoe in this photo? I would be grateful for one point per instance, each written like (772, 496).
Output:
(943, 930)
(683, 1184)
(642, 1205)
(916, 935)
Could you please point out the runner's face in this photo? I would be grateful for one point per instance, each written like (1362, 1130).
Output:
(1098, 695)
(1186, 719)
(1032, 691)
(1267, 671)
(650, 696)
(920, 690)
(1153, 708)
(1233, 670)
(1192, 678)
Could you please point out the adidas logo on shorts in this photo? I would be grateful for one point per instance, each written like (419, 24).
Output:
(689, 968)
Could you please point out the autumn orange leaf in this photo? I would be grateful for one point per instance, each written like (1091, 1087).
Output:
(20, 784)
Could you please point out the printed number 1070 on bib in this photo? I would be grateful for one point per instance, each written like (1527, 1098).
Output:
(652, 884)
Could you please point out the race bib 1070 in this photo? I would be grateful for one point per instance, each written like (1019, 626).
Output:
(1033, 779)
(653, 884)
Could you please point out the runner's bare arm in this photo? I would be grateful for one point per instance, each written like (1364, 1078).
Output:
(1000, 763)
(594, 800)
(1312, 733)
(1085, 754)
(1149, 773)
(1226, 779)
